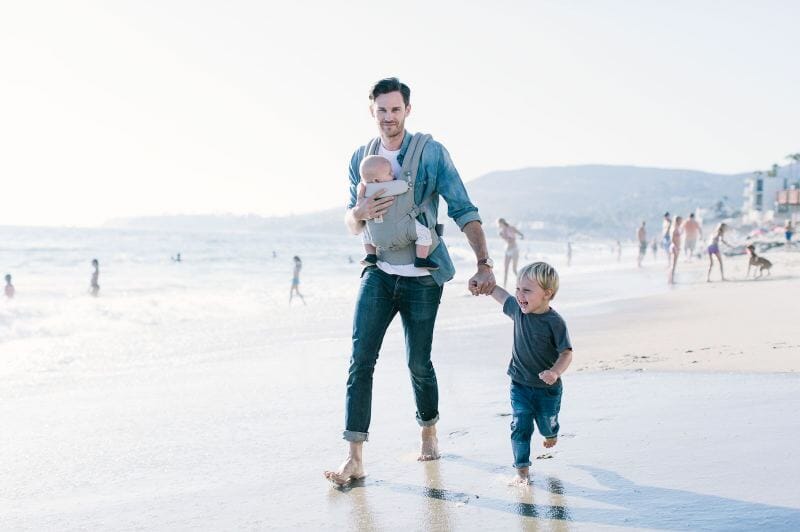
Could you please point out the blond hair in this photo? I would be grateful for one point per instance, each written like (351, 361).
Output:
(543, 274)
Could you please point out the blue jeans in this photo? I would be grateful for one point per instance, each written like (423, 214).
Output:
(380, 297)
(528, 404)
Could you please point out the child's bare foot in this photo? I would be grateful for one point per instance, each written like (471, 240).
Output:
(522, 478)
(429, 449)
(550, 442)
(350, 470)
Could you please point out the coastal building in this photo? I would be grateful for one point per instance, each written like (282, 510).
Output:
(753, 211)
(788, 203)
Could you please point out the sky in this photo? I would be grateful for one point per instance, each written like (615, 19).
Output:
(138, 108)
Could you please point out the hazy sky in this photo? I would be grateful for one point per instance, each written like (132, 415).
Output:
(166, 107)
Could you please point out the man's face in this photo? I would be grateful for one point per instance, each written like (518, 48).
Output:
(390, 113)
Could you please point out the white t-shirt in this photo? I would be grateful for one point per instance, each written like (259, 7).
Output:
(392, 156)
(403, 270)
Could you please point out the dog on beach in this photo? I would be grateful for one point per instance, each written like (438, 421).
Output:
(759, 263)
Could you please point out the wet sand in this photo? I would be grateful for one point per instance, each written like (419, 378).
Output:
(239, 440)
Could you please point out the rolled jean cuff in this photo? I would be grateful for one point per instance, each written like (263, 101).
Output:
(428, 423)
(520, 466)
(353, 436)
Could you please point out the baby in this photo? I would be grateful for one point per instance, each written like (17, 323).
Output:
(377, 169)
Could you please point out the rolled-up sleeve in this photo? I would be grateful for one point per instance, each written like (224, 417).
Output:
(452, 189)
(354, 179)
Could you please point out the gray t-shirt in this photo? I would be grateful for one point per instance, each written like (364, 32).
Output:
(538, 340)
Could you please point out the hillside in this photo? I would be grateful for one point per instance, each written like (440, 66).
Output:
(550, 202)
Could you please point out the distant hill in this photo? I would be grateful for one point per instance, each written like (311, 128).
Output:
(549, 202)
(600, 200)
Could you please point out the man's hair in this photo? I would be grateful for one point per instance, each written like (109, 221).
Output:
(543, 274)
(691, 215)
(387, 85)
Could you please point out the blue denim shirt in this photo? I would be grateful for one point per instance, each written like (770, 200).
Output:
(436, 176)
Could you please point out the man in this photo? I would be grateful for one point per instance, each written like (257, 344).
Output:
(691, 230)
(641, 234)
(414, 293)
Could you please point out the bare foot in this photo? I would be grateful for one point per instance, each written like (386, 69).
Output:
(550, 442)
(429, 449)
(522, 478)
(350, 470)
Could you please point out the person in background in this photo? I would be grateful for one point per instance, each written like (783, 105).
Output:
(675, 248)
(509, 233)
(94, 282)
(713, 250)
(641, 235)
(295, 288)
(666, 234)
(691, 231)
(9, 291)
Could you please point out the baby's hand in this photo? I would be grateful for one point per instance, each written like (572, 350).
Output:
(548, 376)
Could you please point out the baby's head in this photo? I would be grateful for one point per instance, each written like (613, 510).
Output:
(376, 169)
(8, 277)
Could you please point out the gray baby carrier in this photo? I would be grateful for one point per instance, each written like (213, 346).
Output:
(396, 235)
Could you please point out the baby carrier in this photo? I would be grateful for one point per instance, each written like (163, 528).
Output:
(395, 236)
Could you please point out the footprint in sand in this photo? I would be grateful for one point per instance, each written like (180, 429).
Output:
(457, 433)
(545, 456)
(503, 414)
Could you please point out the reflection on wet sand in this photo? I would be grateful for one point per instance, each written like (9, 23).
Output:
(361, 516)
(613, 501)
(437, 514)
(638, 505)
(557, 512)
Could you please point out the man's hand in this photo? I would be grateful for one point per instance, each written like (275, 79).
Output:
(549, 376)
(482, 282)
(370, 207)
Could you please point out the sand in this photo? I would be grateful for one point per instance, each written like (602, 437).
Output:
(741, 325)
(679, 413)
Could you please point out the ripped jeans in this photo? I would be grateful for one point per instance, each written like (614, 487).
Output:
(529, 403)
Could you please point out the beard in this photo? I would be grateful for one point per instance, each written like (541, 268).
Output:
(392, 129)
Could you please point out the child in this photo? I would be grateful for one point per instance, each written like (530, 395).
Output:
(377, 169)
(542, 352)
(9, 287)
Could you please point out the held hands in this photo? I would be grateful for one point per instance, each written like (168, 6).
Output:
(548, 376)
(482, 283)
(369, 207)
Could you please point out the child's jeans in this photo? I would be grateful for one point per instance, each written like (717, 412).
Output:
(529, 403)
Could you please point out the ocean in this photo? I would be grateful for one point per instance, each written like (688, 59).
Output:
(227, 282)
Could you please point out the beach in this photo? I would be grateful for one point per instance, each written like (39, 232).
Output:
(200, 399)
